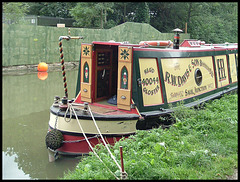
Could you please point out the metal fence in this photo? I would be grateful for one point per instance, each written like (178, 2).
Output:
(41, 20)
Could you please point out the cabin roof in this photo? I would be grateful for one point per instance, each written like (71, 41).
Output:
(203, 47)
(113, 43)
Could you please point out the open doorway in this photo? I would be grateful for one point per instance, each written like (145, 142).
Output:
(106, 68)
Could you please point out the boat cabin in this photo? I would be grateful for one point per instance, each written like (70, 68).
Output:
(106, 73)
(150, 76)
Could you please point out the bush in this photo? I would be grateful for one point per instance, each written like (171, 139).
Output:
(202, 144)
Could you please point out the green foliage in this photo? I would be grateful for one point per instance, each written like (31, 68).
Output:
(142, 12)
(53, 9)
(91, 15)
(202, 144)
(212, 22)
(14, 12)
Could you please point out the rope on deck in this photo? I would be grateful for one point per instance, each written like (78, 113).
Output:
(71, 108)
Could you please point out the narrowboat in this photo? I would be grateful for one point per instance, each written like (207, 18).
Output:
(122, 87)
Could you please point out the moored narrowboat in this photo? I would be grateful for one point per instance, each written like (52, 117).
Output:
(123, 87)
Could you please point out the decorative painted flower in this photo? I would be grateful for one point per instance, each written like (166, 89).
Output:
(124, 54)
(86, 51)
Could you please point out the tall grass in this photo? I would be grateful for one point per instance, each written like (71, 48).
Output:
(202, 144)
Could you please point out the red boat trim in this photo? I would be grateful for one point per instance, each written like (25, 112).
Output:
(115, 43)
(79, 148)
(133, 111)
(183, 50)
(78, 100)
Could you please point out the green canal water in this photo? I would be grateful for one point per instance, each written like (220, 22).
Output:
(25, 114)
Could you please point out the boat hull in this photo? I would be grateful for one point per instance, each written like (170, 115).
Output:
(74, 142)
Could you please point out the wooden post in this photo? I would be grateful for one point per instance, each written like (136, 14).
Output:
(123, 173)
(186, 28)
(121, 155)
(69, 31)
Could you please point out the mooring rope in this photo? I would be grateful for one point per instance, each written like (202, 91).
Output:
(90, 111)
(71, 109)
(90, 143)
(65, 115)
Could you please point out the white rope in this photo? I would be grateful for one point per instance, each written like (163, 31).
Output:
(90, 143)
(104, 139)
(66, 114)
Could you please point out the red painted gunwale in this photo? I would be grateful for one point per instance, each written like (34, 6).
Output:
(82, 147)
(184, 50)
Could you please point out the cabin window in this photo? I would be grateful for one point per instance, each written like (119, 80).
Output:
(221, 69)
(124, 78)
(86, 73)
(198, 77)
(103, 58)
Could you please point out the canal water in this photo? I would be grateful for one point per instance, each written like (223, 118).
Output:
(26, 100)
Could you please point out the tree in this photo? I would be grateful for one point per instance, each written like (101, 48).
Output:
(142, 13)
(58, 9)
(91, 15)
(166, 16)
(214, 22)
(14, 12)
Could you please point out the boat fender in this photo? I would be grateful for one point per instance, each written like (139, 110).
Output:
(42, 66)
(54, 139)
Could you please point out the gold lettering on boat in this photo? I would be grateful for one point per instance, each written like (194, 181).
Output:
(181, 83)
(151, 89)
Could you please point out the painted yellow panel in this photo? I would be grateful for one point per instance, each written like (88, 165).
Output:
(129, 68)
(187, 77)
(89, 62)
(125, 54)
(221, 70)
(86, 50)
(151, 89)
(124, 62)
(233, 67)
(86, 90)
(123, 97)
(86, 57)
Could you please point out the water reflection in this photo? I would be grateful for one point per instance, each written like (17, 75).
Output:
(26, 103)
(42, 75)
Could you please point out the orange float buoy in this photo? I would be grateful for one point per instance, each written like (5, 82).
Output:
(42, 66)
(42, 75)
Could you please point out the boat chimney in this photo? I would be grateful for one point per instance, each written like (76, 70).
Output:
(176, 38)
